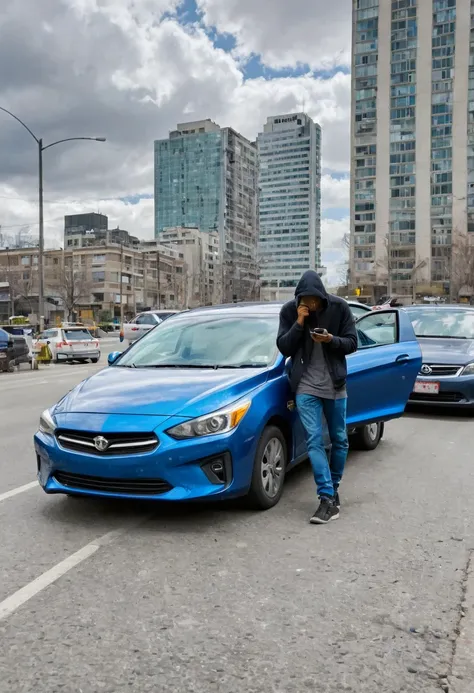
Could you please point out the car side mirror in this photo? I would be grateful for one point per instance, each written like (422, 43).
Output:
(112, 357)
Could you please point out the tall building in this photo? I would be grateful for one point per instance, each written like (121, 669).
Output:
(206, 178)
(412, 144)
(290, 202)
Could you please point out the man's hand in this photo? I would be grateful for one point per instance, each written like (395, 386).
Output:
(303, 313)
(322, 338)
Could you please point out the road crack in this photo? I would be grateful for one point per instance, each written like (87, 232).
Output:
(467, 571)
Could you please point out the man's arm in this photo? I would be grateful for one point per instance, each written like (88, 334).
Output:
(346, 340)
(290, 333)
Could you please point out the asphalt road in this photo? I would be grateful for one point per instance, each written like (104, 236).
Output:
(113, 597)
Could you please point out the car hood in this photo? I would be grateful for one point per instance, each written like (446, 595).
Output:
(160, 392)
(442, 350)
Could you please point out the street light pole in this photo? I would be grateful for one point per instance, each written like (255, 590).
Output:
(41, 149)
(40, 238)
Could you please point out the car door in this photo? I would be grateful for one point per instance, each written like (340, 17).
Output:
(382, 371)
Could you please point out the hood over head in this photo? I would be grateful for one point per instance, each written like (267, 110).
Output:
(311, 284)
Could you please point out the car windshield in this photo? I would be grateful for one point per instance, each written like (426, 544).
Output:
(211, 341)
(432, 322)
(75, 335)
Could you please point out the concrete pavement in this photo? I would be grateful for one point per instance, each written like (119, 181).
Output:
(108, 596)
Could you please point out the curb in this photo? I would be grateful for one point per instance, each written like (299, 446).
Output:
(462, 678)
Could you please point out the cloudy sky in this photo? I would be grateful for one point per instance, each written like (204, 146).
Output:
(130, 70)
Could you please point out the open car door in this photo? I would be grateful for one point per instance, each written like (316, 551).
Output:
(383, 370)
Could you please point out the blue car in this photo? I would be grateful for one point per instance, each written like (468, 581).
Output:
(200, 408)
(446, 336)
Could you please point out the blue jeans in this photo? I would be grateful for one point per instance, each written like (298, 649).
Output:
(311, 410)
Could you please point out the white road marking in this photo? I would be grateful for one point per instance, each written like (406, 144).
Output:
(18, 490)
(23, 595)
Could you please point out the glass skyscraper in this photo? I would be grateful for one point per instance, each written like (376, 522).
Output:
(412, 143)
(206, 178)
(290, 202)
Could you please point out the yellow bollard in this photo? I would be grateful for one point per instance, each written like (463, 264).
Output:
(45, 356)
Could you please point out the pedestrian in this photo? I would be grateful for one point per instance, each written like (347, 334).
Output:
(317, 331)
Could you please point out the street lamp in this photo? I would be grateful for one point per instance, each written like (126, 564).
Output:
(41, 149)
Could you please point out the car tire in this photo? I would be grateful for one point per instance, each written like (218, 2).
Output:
(269, 468)
(369, 436)
(94, 360)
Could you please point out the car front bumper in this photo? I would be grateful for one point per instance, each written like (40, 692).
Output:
(174, 471)
(456, 391)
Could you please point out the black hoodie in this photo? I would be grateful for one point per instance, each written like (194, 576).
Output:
(295, 341)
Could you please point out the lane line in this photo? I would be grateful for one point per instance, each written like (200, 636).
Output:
(9, 605)
(18, 490)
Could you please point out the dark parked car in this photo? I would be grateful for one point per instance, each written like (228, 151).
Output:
(14, 350)
(446, 337)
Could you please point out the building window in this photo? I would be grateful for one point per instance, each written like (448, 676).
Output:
(98, 276)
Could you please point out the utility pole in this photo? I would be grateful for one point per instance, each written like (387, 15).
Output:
(389, 261)
(121, 286)
(158, 283)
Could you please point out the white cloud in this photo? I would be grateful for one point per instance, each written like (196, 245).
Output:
(335, 192)
(120, 69)
(285, 34)
(333, 249)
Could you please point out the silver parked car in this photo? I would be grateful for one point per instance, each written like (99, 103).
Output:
(69, 344)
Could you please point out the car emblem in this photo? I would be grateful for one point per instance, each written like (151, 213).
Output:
(101, 444)
(426, 370)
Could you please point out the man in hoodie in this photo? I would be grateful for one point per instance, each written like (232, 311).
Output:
(318, 378)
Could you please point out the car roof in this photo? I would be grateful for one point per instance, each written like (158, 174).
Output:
(247, 309)
(157, 311)
(441, 306)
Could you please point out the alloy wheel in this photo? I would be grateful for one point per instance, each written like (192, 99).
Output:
(272, 467)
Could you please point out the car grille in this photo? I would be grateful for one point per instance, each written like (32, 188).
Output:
(441, 397)
(440, 370)
(135, 487)
(117, 443)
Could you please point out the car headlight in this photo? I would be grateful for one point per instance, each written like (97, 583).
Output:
(221, 421)
(46, 423)
(468, 370)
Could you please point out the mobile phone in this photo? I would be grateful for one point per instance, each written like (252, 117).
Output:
(319, 330)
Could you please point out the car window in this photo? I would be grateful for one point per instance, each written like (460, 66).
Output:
(150, 320)
(164, 316)
(213, 342)
(357, 311)
(377, 329)
(48, 334)
(76, 335)
(452, 323)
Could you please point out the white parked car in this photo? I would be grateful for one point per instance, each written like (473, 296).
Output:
(143, 323)
(69, 344)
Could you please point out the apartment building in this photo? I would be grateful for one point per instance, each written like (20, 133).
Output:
(206, 178)
(289, 151)
(204, 271)
(93, 281)
(412, 145)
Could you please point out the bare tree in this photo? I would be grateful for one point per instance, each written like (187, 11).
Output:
(462, 265)
(74, 286)
(23, 286)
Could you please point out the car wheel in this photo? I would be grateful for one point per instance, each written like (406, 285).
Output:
(95, 360)
(269, 469)
(369, 436)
